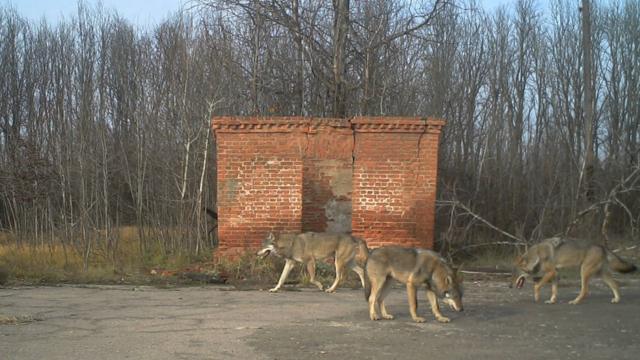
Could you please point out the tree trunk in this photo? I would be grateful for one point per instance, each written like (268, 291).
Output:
(340, 32)
(589, 158)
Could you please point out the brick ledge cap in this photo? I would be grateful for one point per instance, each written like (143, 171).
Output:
(312, 124)
(275, 124)
(397, 124)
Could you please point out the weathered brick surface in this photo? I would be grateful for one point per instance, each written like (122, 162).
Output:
(394, 180)
(259, 180)
(373, 176)
(327, 174)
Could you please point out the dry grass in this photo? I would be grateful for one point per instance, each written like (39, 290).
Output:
(53, 264)
(120, 261)
(19, 319)
(124, 263)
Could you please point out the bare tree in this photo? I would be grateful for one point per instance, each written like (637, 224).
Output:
(586, 175)
(103, 125)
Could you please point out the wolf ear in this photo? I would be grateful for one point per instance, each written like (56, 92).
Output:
(535, 267)
(521, 248)
(459, 274)
(517, 260)
(456, 272)
(448, 280)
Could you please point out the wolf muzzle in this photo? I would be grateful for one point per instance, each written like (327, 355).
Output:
(454, 305)
(266, 251)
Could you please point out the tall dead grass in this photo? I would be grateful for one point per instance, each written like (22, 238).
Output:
(120, 259)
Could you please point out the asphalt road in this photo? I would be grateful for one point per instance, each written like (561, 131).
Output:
(217, 322)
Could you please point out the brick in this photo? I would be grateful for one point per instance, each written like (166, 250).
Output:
(299, 174)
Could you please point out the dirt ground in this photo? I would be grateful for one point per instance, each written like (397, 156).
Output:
(219, 322)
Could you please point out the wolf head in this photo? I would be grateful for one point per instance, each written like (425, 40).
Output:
(524, 266)
(268, 246)
(447, 284)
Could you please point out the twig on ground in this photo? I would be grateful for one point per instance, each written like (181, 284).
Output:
(519, 241)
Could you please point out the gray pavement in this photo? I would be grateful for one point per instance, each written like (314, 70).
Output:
(218, 322)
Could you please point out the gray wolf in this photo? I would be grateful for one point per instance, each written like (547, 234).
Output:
(544, 260)
(413, 267)
(309, 247)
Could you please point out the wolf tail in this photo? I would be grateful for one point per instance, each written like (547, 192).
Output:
(362, 252)
(367, 285)
(362, 257)
(619, 265)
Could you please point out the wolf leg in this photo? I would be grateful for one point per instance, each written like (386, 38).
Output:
(358, 270)
(554, 291)
(585, 275)
(383, 293)
(339, 270)
(433, 300)
(376, 285)
(608, 279)
(545, 279)
(311, 269)
(288, 265)
(413, 302)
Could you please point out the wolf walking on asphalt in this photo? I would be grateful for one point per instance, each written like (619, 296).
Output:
(545, 258)
(309, 247)
(412, 267)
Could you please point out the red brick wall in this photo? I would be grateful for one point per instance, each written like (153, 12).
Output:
(299, 174)
(259, 180)
(327, 174)
(394, 180)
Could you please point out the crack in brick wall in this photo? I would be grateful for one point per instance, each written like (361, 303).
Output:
(375, 177)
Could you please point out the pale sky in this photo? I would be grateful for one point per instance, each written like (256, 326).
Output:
(141, 12)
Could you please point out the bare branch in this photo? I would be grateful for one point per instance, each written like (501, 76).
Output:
(470, 212)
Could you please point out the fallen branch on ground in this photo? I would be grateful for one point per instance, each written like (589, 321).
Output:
(519, 241)
(625, 249)
(484, 272)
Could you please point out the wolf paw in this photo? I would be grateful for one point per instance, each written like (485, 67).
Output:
(550, 301)
(275, 289)
(419, 319)
(374, 317)
(387, 317)
(330, 290)
(615, 300)
(443, 319)
(574, 302)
